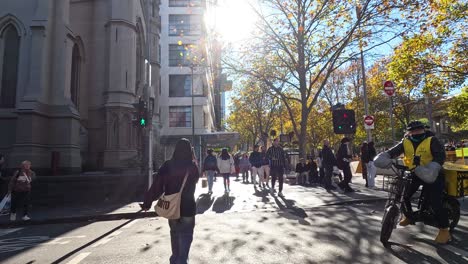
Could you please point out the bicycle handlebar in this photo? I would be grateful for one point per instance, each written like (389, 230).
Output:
(400, 167)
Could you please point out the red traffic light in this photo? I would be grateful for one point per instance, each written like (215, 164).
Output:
(345, 115)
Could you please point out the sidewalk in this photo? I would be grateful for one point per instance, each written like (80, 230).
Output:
(243, 198)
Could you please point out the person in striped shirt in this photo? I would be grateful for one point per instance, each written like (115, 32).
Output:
(278, 161)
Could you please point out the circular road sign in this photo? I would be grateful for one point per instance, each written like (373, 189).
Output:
(369, 120)
(389, 88)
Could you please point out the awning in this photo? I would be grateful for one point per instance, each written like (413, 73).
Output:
(214, 139)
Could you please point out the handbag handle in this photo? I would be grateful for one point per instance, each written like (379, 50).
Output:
(185, 179)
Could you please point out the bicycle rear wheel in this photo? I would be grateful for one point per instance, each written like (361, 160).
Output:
(388, 223)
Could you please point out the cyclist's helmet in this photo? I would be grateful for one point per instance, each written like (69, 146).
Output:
(413, 125)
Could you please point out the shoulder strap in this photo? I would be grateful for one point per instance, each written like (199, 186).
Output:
(185, 179)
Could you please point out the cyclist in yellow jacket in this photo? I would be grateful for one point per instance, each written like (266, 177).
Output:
(424, 153)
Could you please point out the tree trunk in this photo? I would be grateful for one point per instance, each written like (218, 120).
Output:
(303, 133)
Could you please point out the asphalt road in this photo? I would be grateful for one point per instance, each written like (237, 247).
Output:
(269, 230)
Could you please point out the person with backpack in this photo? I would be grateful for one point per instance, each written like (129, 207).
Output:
(210, 167)
(20, 189)
(179, 175)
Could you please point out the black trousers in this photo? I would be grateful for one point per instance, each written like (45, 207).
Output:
(328, 172)
(347, 176)
(433, 194)
(321, 175)
(18, 198)
(277, 173)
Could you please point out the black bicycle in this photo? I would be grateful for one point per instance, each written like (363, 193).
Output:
(397, 188)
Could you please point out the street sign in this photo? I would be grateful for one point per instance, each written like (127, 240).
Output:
(369, 122)
(389, 89)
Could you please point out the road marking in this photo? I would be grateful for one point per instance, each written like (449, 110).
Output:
(79, 258)
(107, 239)
(8, 231)
(130, 224)
(61, 240)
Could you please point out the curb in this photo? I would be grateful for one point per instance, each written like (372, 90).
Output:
(142, 214)
(77, 219)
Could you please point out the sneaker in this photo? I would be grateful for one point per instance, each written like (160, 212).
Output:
(405, 221)
(443, 237)
(12, 217)
(280, 194)
(26, 218)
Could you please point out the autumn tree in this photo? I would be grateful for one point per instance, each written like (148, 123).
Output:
(253, 112)
(300, 43)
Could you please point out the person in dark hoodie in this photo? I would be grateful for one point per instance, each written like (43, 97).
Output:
(169, 180)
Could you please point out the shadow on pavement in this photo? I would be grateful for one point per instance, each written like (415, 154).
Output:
(223, 203)
(204, 202)
(408, 254)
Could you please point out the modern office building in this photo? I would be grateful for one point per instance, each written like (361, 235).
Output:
(191, 82)
(70, 71)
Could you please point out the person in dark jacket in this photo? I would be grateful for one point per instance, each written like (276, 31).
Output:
(329, 164)
(169, 180)
(255, 159)
(20, 189)
(279, 160)
(210, 167)
(302, 172)
(313, 173)
(343, 158)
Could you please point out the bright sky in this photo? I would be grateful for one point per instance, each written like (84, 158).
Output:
(233, 20)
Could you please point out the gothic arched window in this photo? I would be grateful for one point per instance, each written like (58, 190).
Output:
(75, 75)
(9, 74)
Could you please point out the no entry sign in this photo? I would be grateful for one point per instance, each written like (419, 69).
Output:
(369, 122)
(389, 89)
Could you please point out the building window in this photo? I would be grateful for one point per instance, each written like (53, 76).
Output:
(75, 76)
(180, 85)
(178, 55)
(180, 25)
(185, 3)
(180, 116)
(9, 74)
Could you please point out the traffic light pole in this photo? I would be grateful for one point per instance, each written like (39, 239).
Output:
(148, 129)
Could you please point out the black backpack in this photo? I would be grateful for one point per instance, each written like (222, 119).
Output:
(211, 163)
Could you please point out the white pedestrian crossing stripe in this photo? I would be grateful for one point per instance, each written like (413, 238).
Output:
(78, 258)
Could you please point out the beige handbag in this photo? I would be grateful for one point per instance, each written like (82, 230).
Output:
(168, 206)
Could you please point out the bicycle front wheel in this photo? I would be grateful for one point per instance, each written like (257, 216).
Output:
(388, 223)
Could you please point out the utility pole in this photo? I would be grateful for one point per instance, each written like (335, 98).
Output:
(148, 130)
(364, 86)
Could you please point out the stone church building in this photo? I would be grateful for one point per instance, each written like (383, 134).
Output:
(70, 71)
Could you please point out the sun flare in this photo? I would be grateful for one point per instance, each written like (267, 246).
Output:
(233, 20)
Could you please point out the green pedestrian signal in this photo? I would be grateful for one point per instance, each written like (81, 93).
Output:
(140, 114)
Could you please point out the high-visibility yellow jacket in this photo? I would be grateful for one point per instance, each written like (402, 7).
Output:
(423, 150)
